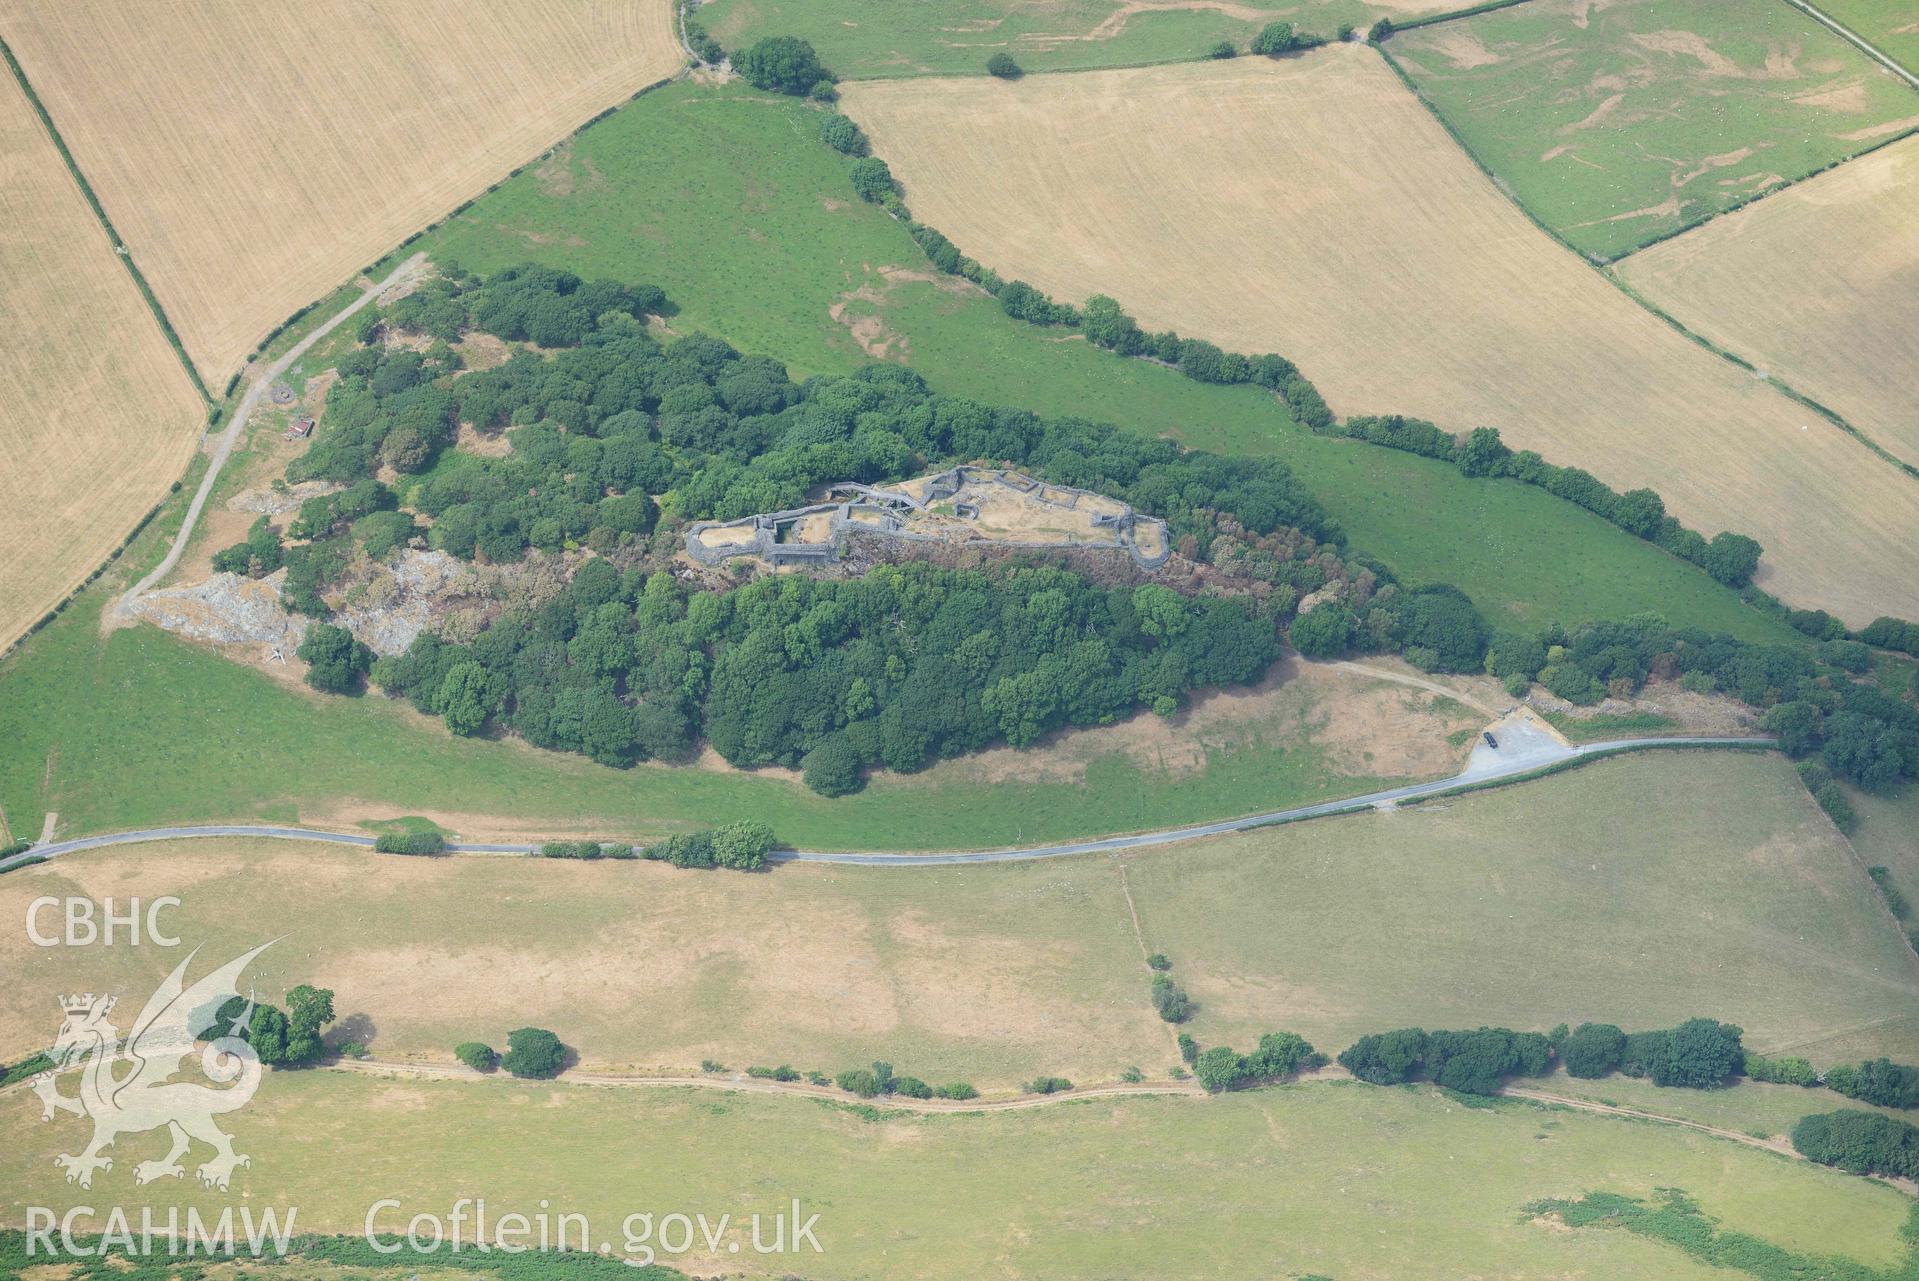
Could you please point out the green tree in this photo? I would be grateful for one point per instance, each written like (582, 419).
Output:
(781, 64)
(1324, 631)
(533, 1052)
(1275, 38)
(742, 844)
(1170, 999)
(1003, 66)
(1482, 453)
(476, 1055)
(1797, 726)
(267, 1034)
(872, 179)
(1218, 1068)
(1385, 1058)
(309, 1010)
(1640, 512)
(1732, 558)
(335, 661)
(466, 698)
(832, 768)
(842, 135)
(1592, 1050)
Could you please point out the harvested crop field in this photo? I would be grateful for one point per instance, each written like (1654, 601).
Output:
(253, 157)
(99, 416)
(1311, 206)
(1818, 285)
(1623, 122)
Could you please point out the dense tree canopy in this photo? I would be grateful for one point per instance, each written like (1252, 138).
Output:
(781, 64)
(1859, 1142)
(897, 668)
(533, 1052)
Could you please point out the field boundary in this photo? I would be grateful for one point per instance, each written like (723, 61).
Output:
(1603, 267)
(1754, 199)
(1660, 239)
(1831, 415)
(223, 406)
(1865, 46)
(1454, 15)
(120, 248)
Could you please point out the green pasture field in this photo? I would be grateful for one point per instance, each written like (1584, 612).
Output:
(139, 728)
(1640, 891)
(1890, 26)
(1887, 836)
(725, 199)
(1617, 125)
(1336, 1179)
(875, 39)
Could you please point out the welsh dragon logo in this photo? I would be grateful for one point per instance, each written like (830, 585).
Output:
(126, 1086)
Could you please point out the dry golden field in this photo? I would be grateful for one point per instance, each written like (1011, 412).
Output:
(97, 417)
(1311, 206)
(1818, 285)
(254, 156)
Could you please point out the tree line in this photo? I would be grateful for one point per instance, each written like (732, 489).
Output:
(1730, 558)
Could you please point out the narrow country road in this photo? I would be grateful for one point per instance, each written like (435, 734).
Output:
(237, 427)
(1517, 757)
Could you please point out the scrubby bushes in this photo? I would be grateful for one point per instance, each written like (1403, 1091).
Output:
(1787, 1070)
(1878, 1081)
(784, 1072)
(1861, 733)
(741, 846)
(842, 135)
(1280, 1055)
(335, 661)
(879, 1081)
(410, 843)
(1859, 1142)
(1047, 1085)
(476, 1055)
(1170, 999)
(703, 45)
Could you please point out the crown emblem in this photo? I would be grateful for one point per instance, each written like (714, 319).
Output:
(85, 1004)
